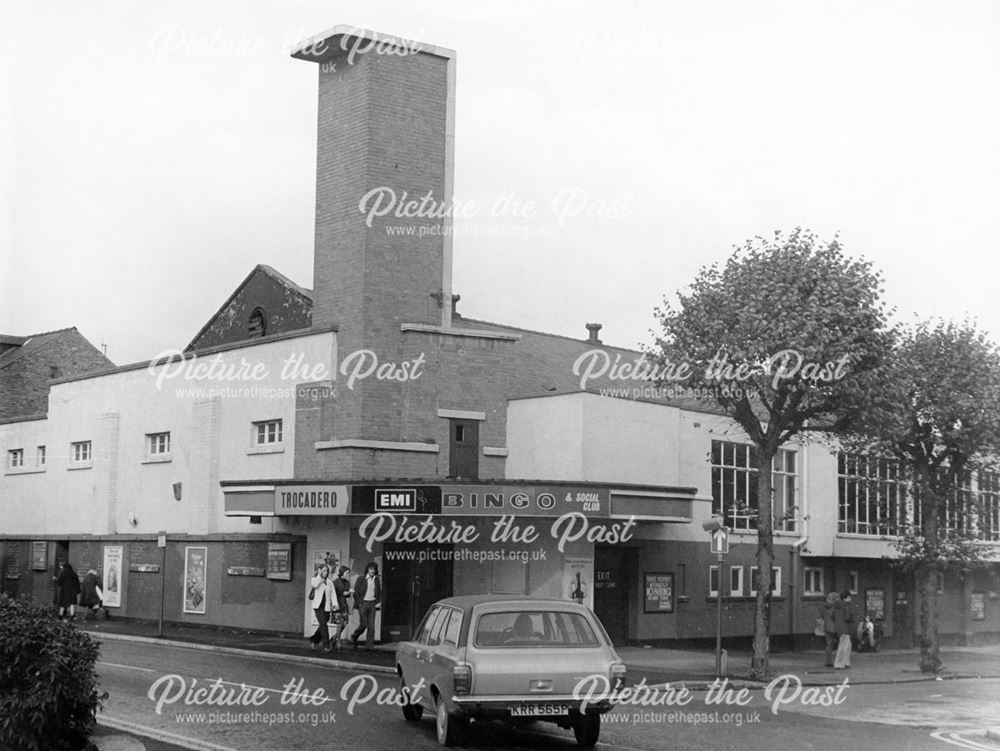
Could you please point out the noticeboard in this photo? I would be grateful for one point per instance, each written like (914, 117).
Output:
(875, 603)
(279, 560)
(39, 555)
(978, 603)
(658, 592)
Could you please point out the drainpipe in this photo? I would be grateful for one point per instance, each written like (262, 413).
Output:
(796, 552)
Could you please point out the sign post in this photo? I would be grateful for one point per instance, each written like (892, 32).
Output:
(161, 543)
(719, 546)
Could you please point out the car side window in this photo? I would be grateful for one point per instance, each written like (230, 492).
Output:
(437, 627)
(453, 628)
(427, 624)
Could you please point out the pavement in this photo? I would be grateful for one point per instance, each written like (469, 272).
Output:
(694, 668)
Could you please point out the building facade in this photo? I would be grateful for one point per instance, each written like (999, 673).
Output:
(366, 420)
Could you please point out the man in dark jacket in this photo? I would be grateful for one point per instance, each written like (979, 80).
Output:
(367, 596)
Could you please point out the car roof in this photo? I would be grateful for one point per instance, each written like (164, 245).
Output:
(467, 602)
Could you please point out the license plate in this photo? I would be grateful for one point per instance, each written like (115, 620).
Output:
(538, 710)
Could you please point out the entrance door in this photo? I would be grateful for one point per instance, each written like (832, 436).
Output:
(612, 580)
(903, 603)
(414, 578)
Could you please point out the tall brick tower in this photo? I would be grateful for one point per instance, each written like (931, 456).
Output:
(384, 184)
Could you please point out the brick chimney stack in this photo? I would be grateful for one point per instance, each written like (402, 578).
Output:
(385, 141)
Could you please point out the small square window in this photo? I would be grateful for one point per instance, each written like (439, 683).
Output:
(40, 456)
(80, 451)
(267, 432)
(775, 581)
(157, 444)
(814, 581)
(15, 458)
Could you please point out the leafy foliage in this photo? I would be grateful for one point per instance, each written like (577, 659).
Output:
(937, 412)
(48, 687)
(788, 335)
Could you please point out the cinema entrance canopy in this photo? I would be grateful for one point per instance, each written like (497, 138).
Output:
(281, 498)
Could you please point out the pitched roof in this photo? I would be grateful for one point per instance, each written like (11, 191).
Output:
(260, 268)
(28, 345)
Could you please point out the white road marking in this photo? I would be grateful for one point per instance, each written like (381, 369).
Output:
(161, 735)
(127, 667)
(956, 738)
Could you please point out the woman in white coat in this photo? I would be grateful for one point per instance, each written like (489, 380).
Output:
(324, 602)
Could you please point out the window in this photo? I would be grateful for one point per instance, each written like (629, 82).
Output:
(873, 495)
(814, 581)
(157, 444)
(853, 582)
(425, 628)
(735, 581)
(267, 432)
(734, 486)
(40, 456)
(775, 581)
(79, 451)
(520, 629)
(15, 458)
(989, 506)
(713, 581)
(453, 629)
(257, 325)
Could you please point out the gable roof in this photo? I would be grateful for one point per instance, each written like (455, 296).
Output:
(28, 344)
(260, 268)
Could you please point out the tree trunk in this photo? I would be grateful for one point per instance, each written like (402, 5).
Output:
(930, 653)
(759, 662)
(928, 574)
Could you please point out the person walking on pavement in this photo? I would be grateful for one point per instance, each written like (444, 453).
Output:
(67, 590)
(323, 602)
(91, 597)
(367, 596)
(830, 627)
(843, 619)
(342, 588)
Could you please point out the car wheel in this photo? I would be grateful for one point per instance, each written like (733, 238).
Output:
(587, 729)
(447, 726)
(411, 711)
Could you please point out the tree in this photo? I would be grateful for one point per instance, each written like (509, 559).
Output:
(937, 412)
(788, 335)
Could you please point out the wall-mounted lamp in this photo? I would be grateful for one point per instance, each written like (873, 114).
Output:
(177, 491)
(131, 519)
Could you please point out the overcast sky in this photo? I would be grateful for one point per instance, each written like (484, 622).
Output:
(154, 153)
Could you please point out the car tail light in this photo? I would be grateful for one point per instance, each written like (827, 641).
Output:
(618, 671)
(462, 679)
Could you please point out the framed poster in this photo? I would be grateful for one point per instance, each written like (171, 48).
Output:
(978, 603)
(195, 567)
(577, 573)
(279, 560)
(658, 592)
(112, 584)
(875, 603)
(39, 555)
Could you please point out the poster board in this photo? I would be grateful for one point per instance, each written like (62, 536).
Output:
(112, 579)
(39, 555)
(195, 568)
(978, 606)
(875, 604)
(658, 592)
(578, 580)
(279, 560)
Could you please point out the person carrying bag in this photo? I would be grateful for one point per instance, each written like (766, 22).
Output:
(323, 600)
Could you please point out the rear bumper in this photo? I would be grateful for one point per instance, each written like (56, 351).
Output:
(499, 707)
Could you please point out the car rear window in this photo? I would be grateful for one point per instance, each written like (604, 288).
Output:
(535, 628)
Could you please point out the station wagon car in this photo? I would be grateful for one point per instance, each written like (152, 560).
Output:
(516, 660)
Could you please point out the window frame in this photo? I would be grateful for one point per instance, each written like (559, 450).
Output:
(810, 591)
(77, 449)
(734, 485)
(775, 581)
(15, 458)
(158, 445)
(260, 430)
(736, 591)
